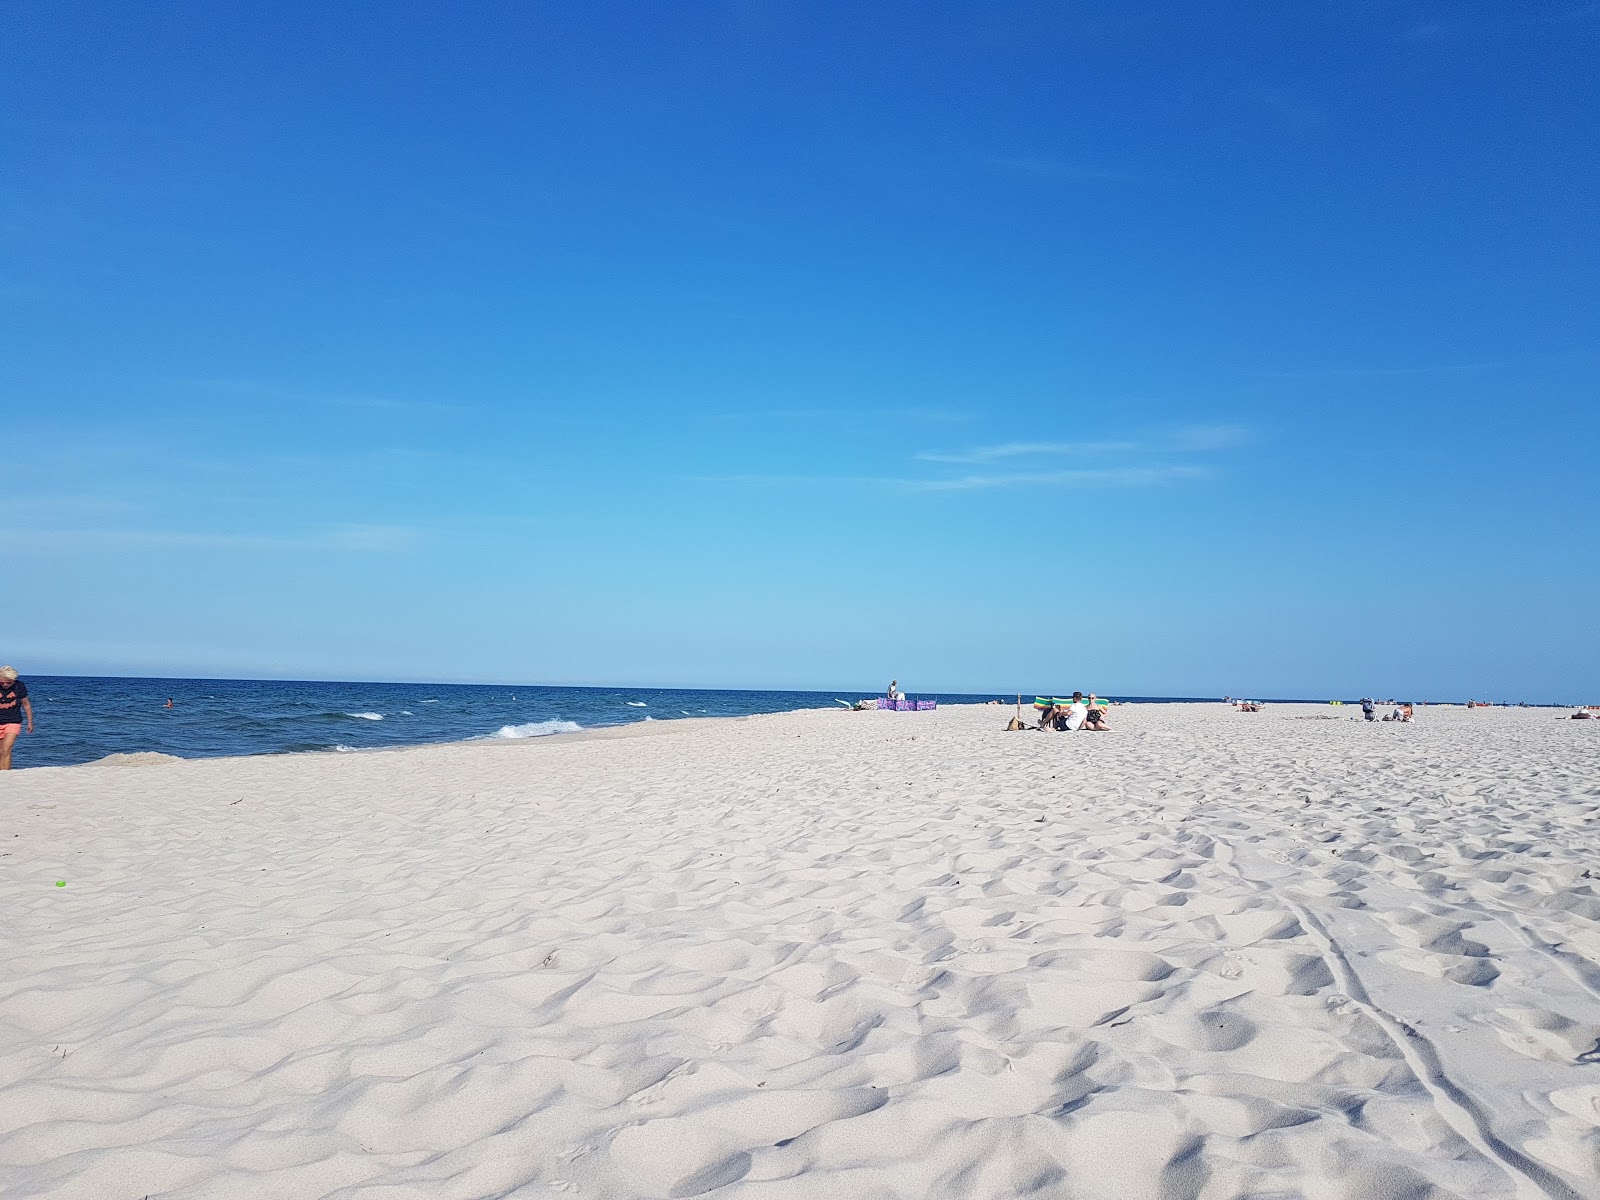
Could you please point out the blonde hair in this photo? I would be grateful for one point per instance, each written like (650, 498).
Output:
(9, 674)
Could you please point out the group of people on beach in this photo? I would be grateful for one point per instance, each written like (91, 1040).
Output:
(14, 707)
(1402, 712)
(1070, 716)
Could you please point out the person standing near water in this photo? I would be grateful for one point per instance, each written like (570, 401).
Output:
(14, 705)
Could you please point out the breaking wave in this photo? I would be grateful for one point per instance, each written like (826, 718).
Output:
(366, 716)
(536, 729)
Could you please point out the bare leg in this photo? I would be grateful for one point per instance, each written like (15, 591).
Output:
(8, 738)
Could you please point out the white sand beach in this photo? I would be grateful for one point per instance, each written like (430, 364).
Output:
(818, 955)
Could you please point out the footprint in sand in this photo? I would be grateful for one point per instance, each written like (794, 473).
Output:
(1542, 1034)
(674, 1157)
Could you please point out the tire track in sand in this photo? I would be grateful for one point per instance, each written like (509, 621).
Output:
(1530, 1180)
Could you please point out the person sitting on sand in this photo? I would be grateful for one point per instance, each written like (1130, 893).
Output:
(1096, 718)
(1077, 713)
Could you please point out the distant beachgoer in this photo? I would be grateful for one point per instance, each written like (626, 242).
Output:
(1368, 709)
(14, 705)
(894, 689)
(1096, 718)
(1405, 711)
(169, 703)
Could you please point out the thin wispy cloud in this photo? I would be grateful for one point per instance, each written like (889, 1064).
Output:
(1196, 439)
(989, 454)
(1122, 477)
(793, 479)
(1119, 477)
(1192, 439)
(932, 415)
(268, 392)
(1153, 461)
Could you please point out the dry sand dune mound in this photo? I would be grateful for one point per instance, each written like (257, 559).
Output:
(818, 955)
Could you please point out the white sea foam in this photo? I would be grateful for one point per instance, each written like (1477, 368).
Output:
(649, 718)
(405, 712)
(536, 729)
(343, 749)
(636, 704)
(366, 716)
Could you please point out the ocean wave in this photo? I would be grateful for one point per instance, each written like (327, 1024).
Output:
(649, 718)
(406, 712)
(536, 729)
(427, 702)
(341, 748)
(636, 704)
(367, 716)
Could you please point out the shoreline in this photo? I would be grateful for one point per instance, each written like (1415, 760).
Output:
(656, 726)
(126, 721)
(643, 728)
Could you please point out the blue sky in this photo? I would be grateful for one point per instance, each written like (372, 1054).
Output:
(1241, 348)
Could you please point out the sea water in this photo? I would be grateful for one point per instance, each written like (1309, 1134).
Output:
(79, 718)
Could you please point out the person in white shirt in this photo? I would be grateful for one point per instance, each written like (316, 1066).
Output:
(1077, 712)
